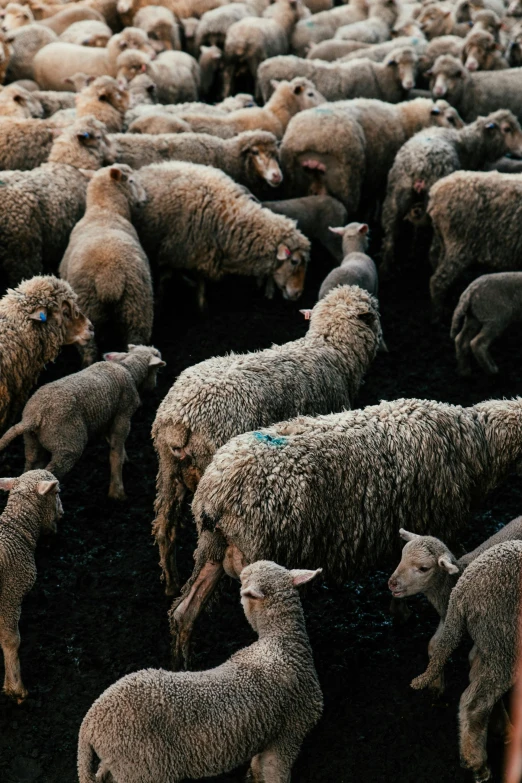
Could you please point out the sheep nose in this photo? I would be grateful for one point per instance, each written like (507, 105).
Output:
(275, 178)
(438, 91)
(471, 65)
(407, 84)
(392, 583)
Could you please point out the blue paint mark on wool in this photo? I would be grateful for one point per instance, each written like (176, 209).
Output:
(269, 439)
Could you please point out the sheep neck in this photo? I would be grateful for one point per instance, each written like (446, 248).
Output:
(438, 595)
(107, 198)
(138, 367)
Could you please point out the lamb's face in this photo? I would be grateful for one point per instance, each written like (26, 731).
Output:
(262, 159)
(289, 276)
(421, 562)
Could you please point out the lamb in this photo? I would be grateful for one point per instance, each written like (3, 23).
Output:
(387, 81)
(473, 214)
(19, 103)
(15, 16)
(252, 40)
(346, 149)
(25, 42)
(485, 310)
(265, 493)
(357, 268)
(106, 100)
(314, 215)
(250, 158)
(161, 27)
(437, 19)
(61, 417)
(39, 208)
(105, 263)
(485, 602)
(215, 400)
(475, 94)
(382, 16)
(175, 74)
(433, 154)
(481, 52)
(54, 62)
(33, 507)
(36, 320)
(87, 33)
(288, 99)
(197, 218)
(322, 26)
(259, 705)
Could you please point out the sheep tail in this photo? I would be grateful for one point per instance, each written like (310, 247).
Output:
(12, 433)
(86, 761)
(454, 627)
(460, 313)
(110, 287)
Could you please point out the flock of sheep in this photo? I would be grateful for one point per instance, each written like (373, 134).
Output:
(133, 161)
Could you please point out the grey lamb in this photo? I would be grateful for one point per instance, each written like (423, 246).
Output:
(156, 726)
(485, 310)
(485, 602)
(356, 268)
(61, 417)
(213, 401)
(335, 488)
(33, 507)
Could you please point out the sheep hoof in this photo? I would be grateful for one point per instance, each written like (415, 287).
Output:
(18, 696)
(117, 494)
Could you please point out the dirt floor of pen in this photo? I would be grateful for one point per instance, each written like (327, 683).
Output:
(98, 609)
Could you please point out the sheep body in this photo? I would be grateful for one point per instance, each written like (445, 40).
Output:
(33, 507)
(322, 26)
(215, 400)
(175, 74)
(90, 32)
(382, 16)
(160, 25)
(258, 705)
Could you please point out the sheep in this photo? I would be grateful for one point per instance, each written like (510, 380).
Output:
(155, 124)
(182, 9)
(314, 215)
(142, 92)
(213, 26)
(485, 602)
(465, 9)
(87, 33)
(234, 235)
(175, 74)
(106, 100)
(336, 487)
(485, 310)
(33, 507)
(239, 101)
(360, 78)
(25, 144)
(488, 21)
(39, 208)
(444, 44)
(250, 158)
(357, 268)
(333, 49)
(18, 103)
(382, 15)
(481, 52)
(250, 41)
(25, 43)
(473, 215)
(433, 154)
(54, 62)
(288, 99)
(437, 19)
(36, 320)
(210, 70)
(16, 16)
(475, 94)
(161, 27)
(61, 417)
(53, 101)
(347, 149)
(258, 706)
(322, 26)
(378, 52)
(215, 400)
(70, 14)
(104, 261)
(514, 49)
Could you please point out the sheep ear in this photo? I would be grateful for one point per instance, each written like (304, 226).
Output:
(7, 484)
(40, 314)
(155, 361)
(19, 98)
(114, 356)
(446, 564)
(117, 175)
(44, 487)
(363, 229)
(307, 314)
(406, 535)
(251, 592)
(338, 230)
(274, 83)
(283, 252)
(301, 576)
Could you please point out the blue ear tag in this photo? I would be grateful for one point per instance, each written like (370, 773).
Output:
(43, 317)
(269, 439)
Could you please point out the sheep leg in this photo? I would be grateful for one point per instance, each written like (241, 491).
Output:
(118, 435)
(165, 528)
(462, 345)
(10, 643)
(438, 685)
(271, 766)
(481, 343)
(35, 455)
(228, 80)
(189, 609)
(63, 461)
(440, 283)
(476, 705)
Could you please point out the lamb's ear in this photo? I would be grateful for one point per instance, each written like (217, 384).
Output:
(406, 535)
(307, 314)
(363, 229)
(155, 361)
(337, 230)
(44, 487)
(40, 314)
(7, 484)
(301, 576)
(446, 564)
(114, 356)
(117, 174)
(251, 592)
(89, 173)
(283, 252)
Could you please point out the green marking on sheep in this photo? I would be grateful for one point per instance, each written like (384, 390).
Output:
(269, 439)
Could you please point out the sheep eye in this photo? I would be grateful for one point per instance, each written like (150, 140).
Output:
(424, 569)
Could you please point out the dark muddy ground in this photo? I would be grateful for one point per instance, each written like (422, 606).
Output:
(98, 610)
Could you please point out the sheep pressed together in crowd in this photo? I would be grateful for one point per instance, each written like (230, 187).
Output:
(150, 149)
